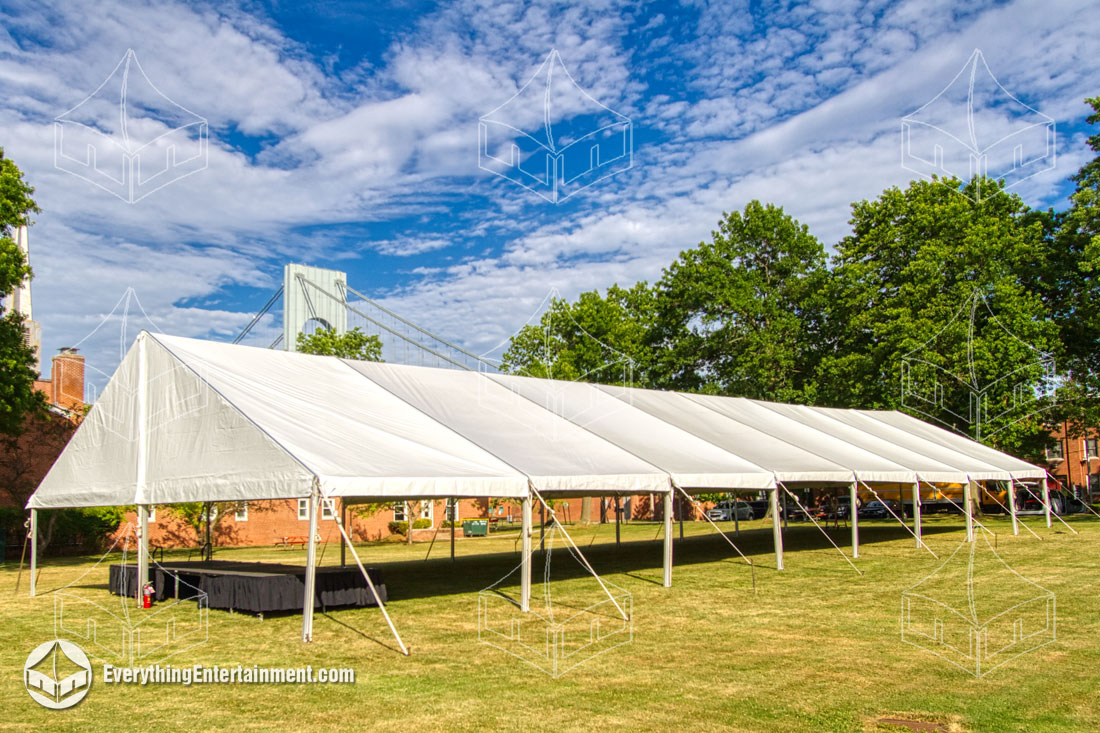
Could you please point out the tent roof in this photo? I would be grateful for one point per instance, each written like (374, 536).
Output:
(189, 420)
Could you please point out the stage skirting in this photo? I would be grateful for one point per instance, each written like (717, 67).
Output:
(251, 587)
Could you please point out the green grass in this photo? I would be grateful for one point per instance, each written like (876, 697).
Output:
(816, 648)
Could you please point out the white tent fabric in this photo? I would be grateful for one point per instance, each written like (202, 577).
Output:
(692, 462)
(558, 456)
(1014, 466)
(787, 461)
(189, 420)
(866, 465)
(975, 469)
(926, 468)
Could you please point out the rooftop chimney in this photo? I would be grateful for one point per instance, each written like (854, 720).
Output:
(67, 379)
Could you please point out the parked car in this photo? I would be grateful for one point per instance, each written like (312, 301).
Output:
(759, 508)
(726, 511)
(878, 510)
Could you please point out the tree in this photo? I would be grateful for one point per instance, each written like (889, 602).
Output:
(939, 289)
(739, 315)
(204, 515)
(596, 339)
(1074, 290)
(353, 344)
(18, 398)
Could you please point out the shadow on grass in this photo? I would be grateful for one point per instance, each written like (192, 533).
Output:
(366, 636)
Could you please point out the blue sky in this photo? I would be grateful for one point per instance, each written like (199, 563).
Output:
(345, 135)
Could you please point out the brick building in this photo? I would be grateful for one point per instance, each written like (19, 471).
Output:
(1075, 461)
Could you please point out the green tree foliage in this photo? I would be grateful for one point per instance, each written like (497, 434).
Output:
(18, 397)
(739, 315)
(596, 339)
(1074, 289)
(944, 284)
(353, 344)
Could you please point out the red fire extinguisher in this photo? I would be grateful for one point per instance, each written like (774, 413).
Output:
(147, 594)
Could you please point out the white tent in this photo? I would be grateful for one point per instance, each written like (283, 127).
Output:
(189, 420)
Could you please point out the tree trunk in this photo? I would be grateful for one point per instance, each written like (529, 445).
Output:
(586, 510)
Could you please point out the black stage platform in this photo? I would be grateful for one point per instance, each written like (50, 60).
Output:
(253, 587)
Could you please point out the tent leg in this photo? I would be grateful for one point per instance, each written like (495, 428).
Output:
(968, 501)
(916, 513)
(34, 548)
(311, 567)
(777, 530)
(853, 493)
(525, 562)
(454, 521)
(1012, 506)
(618, 518)
(1046, 502)
(667, 579)
(142, 550)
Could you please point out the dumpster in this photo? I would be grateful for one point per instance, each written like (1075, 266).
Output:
(475, 527)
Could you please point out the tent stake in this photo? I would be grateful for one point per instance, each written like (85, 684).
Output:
(311, 566)
(777, 529)
(667, 580)
(525, 562)
(853, 515)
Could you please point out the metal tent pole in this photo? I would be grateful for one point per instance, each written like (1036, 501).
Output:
(667, 579)
(1046, 501)
(618, 518)
(311, 566)
(1012, 506)
(853, 492)
(34, 548)
(525, 562)
(343, 520)
(454, 522)
(916, 512)
(777, 529)
(143, 550)
(968, 510)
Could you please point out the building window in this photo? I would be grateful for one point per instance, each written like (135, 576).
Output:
(427, 510)
(1091, 448)
(452, 510)
(326, 510)
(1055, 453)
(303, 509)
(152, 514)
(242, 512)
(401, 515)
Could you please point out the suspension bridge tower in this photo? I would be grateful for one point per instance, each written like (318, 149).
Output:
(313, 298)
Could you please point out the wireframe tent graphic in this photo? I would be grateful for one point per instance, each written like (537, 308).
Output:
(57, 674)
(552, 138)
(556, 637)
(975, 127)
(128, 138)
(993, 401)
(113, 630)
(976, 612)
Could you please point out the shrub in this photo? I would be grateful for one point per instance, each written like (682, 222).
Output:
(403, 527)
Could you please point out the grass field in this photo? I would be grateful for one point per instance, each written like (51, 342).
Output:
(817, 647)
